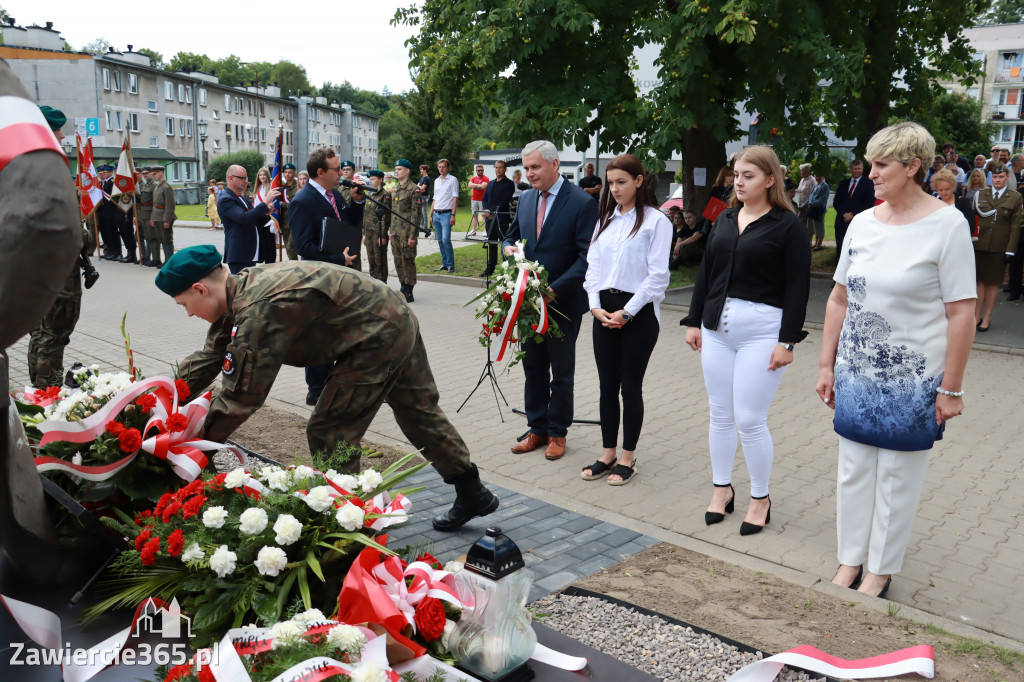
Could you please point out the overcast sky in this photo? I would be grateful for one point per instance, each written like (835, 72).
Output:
(338, 41)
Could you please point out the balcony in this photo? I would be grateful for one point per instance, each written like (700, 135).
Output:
(1005, 112)
(1013, 74)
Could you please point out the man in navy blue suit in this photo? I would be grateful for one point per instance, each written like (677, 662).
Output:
(854, 194)
(320, 199)
(241, 220)
(556, 218)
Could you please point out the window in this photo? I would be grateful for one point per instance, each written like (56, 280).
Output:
(110, 120)
(227, 103)
(1011, 96)
(216, 144)
(317, 115)
(117, 81)
(227, 130)
(238, 132)
(106, 79)
(176, 169)
(188, 127)
(202, 97)
(169, 90)
(1011, 59)
(262, 111)
(133, 122)
(188, 171)
(188, 94)
(216, 115)
(271, 123)
(181, 126)
(152, 142)
(248, 133)
(133, 84)
(117, 119)
(249, 104)
(169, 127)
(181, 92)
(263, 134)
(151, 104)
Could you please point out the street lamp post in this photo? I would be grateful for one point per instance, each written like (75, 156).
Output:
(201, 127)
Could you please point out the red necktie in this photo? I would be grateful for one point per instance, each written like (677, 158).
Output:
(330, 198)
(853, 186)
(541, 205)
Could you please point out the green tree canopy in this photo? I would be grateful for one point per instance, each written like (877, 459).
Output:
(249, 159)
(363, 100)
(97, 47)
(1004, 12)
(156, 60)
(411, 131)
(956, 118)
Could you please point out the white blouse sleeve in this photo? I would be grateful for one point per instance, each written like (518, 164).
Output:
(956, 262)
(592, 281)
(652, 289)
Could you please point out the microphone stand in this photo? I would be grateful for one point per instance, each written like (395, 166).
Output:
(419, 228)
(488, 373)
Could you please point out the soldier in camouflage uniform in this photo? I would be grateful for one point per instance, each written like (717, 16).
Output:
(375, 230)
(348, 172)
(403, 234)
(291, 188)
(307, 313)
(162, 218)
(143, 211)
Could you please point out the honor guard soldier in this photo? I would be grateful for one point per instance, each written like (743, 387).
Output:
(304, 313)
(404, 232)
(348, 172)
(106, 215)
(142, 214)
(291, 187)
(163, 216)
(375, 230)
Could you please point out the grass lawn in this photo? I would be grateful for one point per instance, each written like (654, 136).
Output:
(192, 212)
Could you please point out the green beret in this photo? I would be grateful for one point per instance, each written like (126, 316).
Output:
(288, 166)
(55, 118)
(186, 267)
(376, 174)
(404, 162)
(347, 164)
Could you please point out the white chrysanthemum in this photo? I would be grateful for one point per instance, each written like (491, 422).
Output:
(287, 529)
(346, 481)
(94, 368)
(223, 561)
(310, 616)
(77, 458)
(349, 516)
(454, 566)
(369, 479)
(319, 498)
(504, 264)
(279, 480)
(253, 521)
(192, 553)
(346, 638)
(271, 561)
(369, 672)
(449, 628)
(236, 478)
(285, 633)
(214, 517)
(303, 473)
(265, 472)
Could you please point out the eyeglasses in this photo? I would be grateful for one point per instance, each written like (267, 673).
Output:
(240, 177)
(337, 168)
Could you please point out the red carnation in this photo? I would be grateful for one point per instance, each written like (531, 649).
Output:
(429, 618)
(145, 403)
(176, 422)
(175, 543)
(192, 507)
(171, 509)
(193, 488)
(149, 552)
(162, 503)
(178, 672)
(533, 327)
(429, 558)
(182, 388)
(114, 428)
(206, 675)
(142, 516)
(142, 538)
(131, 440)
(506, 297)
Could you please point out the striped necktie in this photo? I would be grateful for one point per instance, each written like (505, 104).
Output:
(334, 205)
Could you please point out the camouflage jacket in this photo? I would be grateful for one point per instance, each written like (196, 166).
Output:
(73, 284)
(289, 191)
(297, 313)
(370, 215)
(403, 202)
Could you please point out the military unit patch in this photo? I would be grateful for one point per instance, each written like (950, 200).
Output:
(229, 363)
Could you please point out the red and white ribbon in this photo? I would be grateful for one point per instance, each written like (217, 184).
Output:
(410, 586)
(392, 511)
(518, 298)
(916, 659)
(24, 129)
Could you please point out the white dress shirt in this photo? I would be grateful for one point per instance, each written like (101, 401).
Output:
(446, 189)
(638, 264)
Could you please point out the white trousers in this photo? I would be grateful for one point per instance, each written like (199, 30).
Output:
(876, 495)
(741, 389)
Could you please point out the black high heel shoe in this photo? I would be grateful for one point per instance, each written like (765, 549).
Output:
(752, 528)
(711, 518)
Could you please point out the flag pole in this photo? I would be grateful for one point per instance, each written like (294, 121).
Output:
(135, 193)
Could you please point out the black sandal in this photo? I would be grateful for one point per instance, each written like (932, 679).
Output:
(597, 470)
(624, 472)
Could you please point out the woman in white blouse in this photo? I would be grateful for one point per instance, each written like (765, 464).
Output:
(627, 274)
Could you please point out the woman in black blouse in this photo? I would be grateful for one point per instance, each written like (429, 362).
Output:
(746, 314)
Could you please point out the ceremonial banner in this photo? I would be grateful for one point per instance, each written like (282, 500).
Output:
(124, 176)
(89, 186)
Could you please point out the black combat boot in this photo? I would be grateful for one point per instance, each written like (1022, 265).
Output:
(407, 292)
(472, 499)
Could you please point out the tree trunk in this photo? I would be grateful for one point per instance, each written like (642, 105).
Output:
(876, 97)
(700, 149)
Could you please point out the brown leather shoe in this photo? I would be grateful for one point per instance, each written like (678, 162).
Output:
(530, 442)
(555, 449)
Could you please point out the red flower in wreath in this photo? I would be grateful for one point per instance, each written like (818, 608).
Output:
(182, 388)
(192, 507)
(506, 297)
(176, 422)
(175, 542)
(169, 511)
(162, 503)
(145, 403)
(429, 618)
(429, 558)
(193, 488)
(142, 516)
(131, 440)
(178, 672)
(149, 552)
(114, 428)
(143, 538)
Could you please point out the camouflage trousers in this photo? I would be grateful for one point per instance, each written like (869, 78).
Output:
(376, 255)
(47, 342)
(347, 406)
(405, 259)
(289, 245)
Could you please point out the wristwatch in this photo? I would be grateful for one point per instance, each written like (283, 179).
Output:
(626, 316)
(787, 346)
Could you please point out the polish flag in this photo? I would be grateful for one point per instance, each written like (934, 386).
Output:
(124, 176)
(89, 186)
(23, 129)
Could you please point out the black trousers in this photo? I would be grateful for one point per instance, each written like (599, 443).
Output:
(1017, 268)
(111, 236)
(622, 356)
(126, 229)
(234, 268)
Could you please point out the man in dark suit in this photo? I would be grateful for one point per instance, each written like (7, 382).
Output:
(854, 194)
(556, 218)
(242, 221)
(106, 216)
(320, 199)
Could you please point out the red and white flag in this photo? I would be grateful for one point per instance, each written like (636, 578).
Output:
(89, 186)
(124, 176)
(23, 129)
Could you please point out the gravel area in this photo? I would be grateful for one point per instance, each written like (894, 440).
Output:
(663, 649)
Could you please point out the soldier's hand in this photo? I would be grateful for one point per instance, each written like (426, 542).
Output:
(349, 260)
(152, 224)
(412, 242)
(167, 226)
(273, 194)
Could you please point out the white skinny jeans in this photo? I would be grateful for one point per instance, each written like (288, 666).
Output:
(741, 389)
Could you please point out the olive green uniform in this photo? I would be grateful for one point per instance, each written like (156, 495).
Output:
(163, 212)
(403, 202)
(373, 228)
(47, 342)
(286, 231)
(309, 313)
(145, 210)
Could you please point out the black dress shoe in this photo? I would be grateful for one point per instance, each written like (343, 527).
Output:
(1007, 290)
(131, 259)
(486, 273)
(311, 399)
(472, 499)
(1013, 297)
(451, 270)
(752, 528)
(121, 259)
(440, 269)
(711, 518)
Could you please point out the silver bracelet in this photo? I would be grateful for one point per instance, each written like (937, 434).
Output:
(951, 394)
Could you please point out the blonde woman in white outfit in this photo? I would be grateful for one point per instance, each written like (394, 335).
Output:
(898, 329)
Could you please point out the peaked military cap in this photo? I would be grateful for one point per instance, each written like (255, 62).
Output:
(186, 267)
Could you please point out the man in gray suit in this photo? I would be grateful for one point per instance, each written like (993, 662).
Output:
(557, 219)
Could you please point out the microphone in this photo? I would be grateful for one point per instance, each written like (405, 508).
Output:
(368, 189)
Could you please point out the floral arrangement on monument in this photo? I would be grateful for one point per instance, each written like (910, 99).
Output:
(513, 309)
(239, 547)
